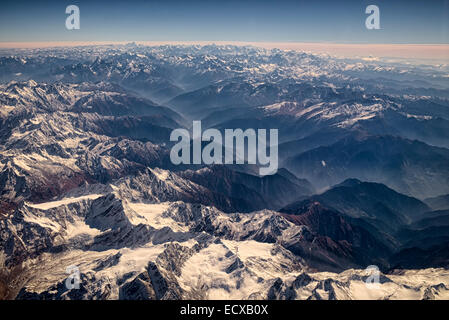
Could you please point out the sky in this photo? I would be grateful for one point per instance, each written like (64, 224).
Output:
(338, 21)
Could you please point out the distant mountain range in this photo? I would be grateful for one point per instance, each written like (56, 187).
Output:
(86, 178)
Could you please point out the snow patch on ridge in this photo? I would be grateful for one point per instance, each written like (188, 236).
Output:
(65, 201)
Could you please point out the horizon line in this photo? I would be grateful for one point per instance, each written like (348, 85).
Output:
(436, 51)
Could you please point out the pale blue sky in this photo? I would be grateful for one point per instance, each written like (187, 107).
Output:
(340, 21)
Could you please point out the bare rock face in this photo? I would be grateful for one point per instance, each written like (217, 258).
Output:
(150, 285)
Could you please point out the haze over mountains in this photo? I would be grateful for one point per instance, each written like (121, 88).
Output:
(86, 178)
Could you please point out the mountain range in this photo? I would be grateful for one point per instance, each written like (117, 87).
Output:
(86, 178)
